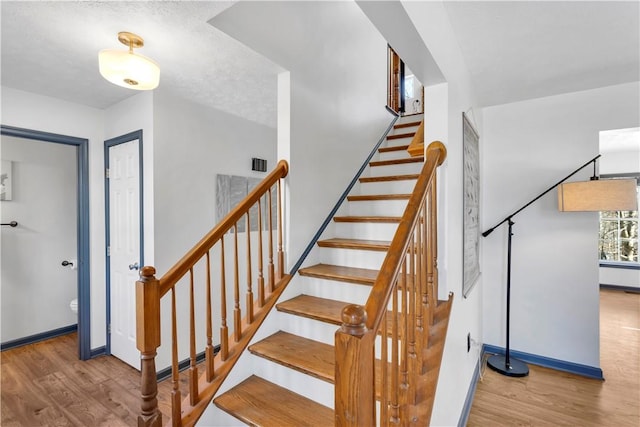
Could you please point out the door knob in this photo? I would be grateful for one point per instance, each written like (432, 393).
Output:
(66, 263)
(134, 266)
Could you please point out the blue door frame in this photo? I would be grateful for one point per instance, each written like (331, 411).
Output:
(84, 283)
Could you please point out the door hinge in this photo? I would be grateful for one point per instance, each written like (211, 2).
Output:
(106, 173)
(108, 250)
(109, 328)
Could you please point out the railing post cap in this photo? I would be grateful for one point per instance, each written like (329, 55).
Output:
(354, 319)
(147, 271)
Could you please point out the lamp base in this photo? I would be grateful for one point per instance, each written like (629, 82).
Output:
(515, 368)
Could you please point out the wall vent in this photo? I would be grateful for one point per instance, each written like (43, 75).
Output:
(259, 165)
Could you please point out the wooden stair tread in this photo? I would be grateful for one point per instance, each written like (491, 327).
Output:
(258, 402)
(372, 245)
(378, 219)
(401, 135)
(341, 273)
(406, 125)
(368, 197)
(406, 177)
(393, 148)
(417, 159)
(302, 354)
(321, 309)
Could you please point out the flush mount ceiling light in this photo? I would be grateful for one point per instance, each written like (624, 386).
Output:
(128, 69)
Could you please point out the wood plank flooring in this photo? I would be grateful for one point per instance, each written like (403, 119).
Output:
(551, 398)
(45, 384)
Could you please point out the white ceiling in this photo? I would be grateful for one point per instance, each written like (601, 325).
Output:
(514, 50)
(51, 48)
(517, 50)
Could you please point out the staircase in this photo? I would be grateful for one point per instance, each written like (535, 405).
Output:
(294, 368)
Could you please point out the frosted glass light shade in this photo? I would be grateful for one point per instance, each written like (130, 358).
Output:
(598, 195)
(128, 69)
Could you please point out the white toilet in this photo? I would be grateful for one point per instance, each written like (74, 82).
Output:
(74, 305)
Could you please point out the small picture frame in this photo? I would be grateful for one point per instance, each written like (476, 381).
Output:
(6, 180)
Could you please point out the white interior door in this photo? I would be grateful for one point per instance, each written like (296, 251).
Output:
(124, 248)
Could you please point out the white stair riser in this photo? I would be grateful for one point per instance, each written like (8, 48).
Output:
(399, 169)
(308, 328)
(366, 230)
(377, 207)
(404, 186)
(393, 155)
(298, 382)
(352, 257)
(333, 289)
(398, 141)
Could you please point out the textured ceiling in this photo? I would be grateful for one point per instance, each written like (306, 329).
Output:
(51, 48)
(517, 50)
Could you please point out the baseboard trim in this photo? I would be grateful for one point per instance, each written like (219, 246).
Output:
(31, 339)
(165, 373)
(548, 362)
(100, 351)
(468, 402)
(620, 288)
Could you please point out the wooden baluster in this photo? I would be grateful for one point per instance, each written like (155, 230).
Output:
(224, 330)
(147, 342)
(411, 282)
(433, 243)
(249, 297)
(420, 275)
(434, 219)
(280, 250)
(176, 399)
(193, 369)
(260, 275)
(270, 264)
(404, 351)
(209, 351)
(384, 372)
(354, 378)
(237, 313)
(428, 263)
(395, 383)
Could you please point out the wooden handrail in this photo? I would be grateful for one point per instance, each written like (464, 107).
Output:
(200, 249)
(416, 146)
(187, 408)
(400, 308)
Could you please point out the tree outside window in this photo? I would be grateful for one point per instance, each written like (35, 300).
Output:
(619, 236)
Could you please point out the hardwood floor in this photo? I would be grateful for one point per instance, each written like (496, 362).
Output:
(45, 384)
(551, 398)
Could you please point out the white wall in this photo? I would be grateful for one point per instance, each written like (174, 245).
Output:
(193, 144)
(32, 111)
(336, 61)
(528, 146)
(36, 288)
(444, 104)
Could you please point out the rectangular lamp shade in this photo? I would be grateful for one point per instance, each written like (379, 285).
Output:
(598, 195)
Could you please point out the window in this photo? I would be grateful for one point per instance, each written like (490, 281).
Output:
(619, 236)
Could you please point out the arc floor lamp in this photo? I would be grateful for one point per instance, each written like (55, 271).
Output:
(593, 195)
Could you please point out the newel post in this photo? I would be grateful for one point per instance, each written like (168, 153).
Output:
(147, 341)
(354, 386)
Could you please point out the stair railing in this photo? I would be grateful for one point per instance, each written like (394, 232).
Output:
(180, 281)
(381, 347)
